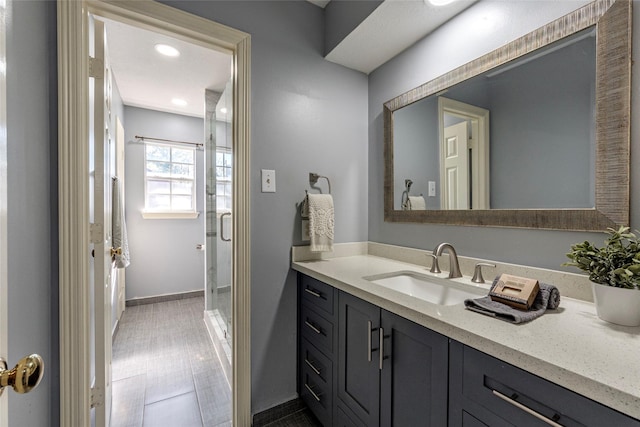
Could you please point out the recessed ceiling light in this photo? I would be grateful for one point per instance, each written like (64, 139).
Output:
(166, 50)
(179, 102)
(223, 110)
(440, 2)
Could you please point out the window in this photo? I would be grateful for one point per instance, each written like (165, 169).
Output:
(223, 179)
(169, 179)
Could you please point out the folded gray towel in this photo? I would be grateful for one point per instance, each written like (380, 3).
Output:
(548, 297)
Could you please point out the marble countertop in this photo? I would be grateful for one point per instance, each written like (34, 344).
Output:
(569, 346)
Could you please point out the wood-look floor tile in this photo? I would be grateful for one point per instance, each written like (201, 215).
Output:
(127, 405)
(167, 344)
(179, 411)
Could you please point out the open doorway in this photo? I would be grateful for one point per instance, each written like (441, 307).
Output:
(164, 92)
(77, 394)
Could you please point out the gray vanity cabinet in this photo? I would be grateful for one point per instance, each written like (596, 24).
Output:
(362, 366)
(485, 391)
(358, 359)
(391, 371)
(316, 351)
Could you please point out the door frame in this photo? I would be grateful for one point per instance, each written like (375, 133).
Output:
(73, 186)
(4, 281)
(479, 118)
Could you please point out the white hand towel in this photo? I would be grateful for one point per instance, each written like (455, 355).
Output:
(321, 222)
(118, 226)
(417, 203)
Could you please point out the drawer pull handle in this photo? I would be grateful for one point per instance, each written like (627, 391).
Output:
(314, 293)
(312, 392)
(526, 409)
(309, 324)
(316, 370)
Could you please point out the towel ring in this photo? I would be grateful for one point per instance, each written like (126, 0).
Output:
(313, 179)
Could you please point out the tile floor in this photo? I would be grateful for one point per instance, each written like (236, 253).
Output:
(165, 370)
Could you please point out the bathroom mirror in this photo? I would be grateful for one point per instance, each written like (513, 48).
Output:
(559, 160)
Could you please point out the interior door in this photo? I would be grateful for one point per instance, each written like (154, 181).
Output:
(456, 167)
(101, 223)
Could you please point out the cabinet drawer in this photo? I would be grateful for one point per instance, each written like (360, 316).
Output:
(317, 294)
(316, 363)
(515, 395)
(318, 396)
(317, 329)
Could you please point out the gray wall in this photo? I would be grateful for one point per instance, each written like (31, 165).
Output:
(436, 54)
(415, 151)
(32, 204)
(164, 259)
(308, 115)
(541, 109)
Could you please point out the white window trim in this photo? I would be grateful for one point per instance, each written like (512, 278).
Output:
(168, 213)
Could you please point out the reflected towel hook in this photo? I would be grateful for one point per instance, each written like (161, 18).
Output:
(313, 179)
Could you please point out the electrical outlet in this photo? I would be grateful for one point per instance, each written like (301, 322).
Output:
(268, 181)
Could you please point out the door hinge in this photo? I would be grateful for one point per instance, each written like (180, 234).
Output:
(97, 397)
(96, 68)
(96, 232)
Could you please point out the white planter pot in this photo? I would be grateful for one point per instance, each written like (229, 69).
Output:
(617, 305)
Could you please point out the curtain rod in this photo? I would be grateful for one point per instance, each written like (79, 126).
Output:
(143, 138)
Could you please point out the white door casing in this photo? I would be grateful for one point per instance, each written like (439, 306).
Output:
(478, 119)
(454, 153)
(4, 285)
(101, 226)
(73, 167)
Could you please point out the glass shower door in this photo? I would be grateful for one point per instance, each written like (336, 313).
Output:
(219, 215)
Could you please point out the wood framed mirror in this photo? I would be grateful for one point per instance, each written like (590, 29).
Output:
(607, 23)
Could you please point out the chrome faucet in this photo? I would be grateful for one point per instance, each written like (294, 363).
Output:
(454, 267)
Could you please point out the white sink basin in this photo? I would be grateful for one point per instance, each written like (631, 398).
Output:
(435, 290)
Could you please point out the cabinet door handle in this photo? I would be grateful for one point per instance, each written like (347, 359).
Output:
(316, 370)
(381, 347)
(369, 340)
(312, 392)
(309, 324)
(526, 409)
(314, 293)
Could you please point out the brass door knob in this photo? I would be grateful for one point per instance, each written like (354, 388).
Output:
(24, 377)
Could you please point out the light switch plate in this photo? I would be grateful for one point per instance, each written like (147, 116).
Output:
(432, 189)
(268, 181)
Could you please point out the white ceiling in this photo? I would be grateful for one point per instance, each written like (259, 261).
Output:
(149, 80)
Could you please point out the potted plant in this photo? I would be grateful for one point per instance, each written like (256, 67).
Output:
(614, 271)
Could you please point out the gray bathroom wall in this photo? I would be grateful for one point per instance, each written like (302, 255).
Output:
(164, 259)
(307, 115)
(32, 205)
(416, 148)
(445, 49)
(542, 108)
